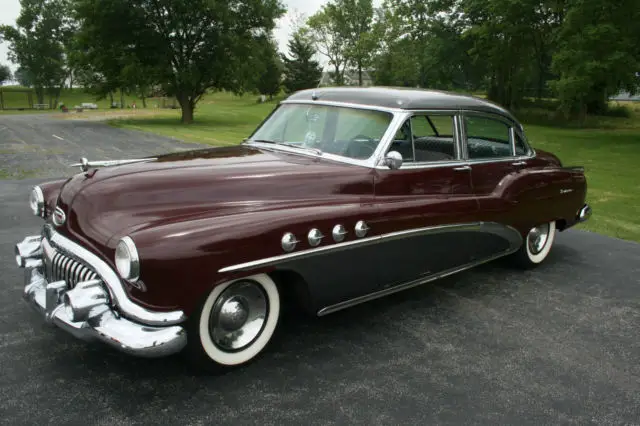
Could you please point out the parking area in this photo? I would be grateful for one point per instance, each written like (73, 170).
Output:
(494, 345)
(39, 145)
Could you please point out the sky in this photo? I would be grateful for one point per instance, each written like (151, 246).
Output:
(10, 9)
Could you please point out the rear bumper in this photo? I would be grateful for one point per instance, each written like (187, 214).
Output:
(96, 320)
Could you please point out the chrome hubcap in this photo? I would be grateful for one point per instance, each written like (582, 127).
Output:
(538, 238)
(238, 316)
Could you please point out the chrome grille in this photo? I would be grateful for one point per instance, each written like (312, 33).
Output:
(59, 267)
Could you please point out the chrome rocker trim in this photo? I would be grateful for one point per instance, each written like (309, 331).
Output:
(111, 279)
(102, 323)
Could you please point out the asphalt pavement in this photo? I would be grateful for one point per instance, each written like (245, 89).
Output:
(493, 345)
(39, 145)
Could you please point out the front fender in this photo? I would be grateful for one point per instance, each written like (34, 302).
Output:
(181, 261)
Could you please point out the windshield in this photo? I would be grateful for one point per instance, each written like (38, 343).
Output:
(348, 132)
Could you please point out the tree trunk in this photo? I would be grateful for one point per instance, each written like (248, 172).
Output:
(121, 98)
(110, 99)
(40, 94)
(360, 74)
(187, 106)
(144, 100)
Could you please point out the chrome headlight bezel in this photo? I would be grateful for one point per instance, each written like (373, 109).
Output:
(127, 259)
(36, 201)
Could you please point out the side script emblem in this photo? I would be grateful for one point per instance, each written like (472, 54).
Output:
(59, 218)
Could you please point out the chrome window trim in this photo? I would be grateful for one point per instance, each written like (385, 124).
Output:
(376, 161)
(112, 281)
(368, 163)
(513, 126)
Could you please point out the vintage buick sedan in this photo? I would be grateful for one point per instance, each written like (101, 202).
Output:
(339, 197)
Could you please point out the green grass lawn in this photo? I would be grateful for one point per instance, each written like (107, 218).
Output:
(220, 119)
(608, 147)
(16, 100)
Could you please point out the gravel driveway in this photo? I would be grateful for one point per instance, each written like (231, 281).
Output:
(556, 345)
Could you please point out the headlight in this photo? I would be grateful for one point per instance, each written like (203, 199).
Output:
(127, 260)
(36, 201)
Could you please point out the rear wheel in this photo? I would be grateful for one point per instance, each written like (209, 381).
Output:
(536, 246)
(235, 323)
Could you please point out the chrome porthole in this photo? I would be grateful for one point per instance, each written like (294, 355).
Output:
(537, 238)
(315, 237)
(238, 316)
(338, 233)
(289, 242)
(361, 229)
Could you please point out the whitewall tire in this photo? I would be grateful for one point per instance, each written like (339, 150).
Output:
(536, 245)
(235, 322)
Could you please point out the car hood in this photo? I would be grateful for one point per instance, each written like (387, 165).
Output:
(102, 205)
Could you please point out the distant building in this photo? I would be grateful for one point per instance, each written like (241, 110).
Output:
(625, 96)
(350, 78)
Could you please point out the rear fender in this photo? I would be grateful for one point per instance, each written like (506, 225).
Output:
(544, 194)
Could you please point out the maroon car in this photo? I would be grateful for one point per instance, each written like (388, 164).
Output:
(339, 197)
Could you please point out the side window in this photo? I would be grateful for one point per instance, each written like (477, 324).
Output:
(487, 138)
(521, 146)
(426, 138)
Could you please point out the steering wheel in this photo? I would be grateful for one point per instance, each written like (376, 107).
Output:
(360, 146)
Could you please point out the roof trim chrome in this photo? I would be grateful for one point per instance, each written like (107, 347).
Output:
(343, 104)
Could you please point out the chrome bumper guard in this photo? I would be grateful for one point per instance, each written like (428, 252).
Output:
(584, 214)
(85, 311)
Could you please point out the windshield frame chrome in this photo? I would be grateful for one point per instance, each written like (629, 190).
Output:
(398, 116)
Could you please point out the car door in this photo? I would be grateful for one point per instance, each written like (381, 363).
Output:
(488, 147)
(427, 206)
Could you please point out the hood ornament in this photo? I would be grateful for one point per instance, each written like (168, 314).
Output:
(85, 164)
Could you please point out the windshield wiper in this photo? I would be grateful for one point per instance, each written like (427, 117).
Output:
(289, 144)
(305, 148)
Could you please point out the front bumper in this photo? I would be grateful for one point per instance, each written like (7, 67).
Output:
(97, 320)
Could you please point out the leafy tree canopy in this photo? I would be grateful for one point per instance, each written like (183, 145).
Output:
(301, 71)
(193, 45)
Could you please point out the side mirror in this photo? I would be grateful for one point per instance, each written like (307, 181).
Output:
(393, 160)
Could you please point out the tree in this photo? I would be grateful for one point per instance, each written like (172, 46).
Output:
(36, 44)
(194, 46)
(301, 71)
(270, 70)
(598, 53)
(5, 74)
(23, 77)
(356, 18)
(327, 31)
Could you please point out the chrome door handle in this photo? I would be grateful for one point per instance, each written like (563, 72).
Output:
(519, 163)
(462, 168)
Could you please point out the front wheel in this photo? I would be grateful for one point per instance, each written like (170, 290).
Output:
(235, 323)
(536, 245)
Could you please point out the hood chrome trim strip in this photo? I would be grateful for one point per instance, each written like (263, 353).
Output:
(85, 164)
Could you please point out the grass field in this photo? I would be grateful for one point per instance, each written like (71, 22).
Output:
(15, 100)
(608, 147)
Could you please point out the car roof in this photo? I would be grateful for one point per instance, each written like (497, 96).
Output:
(403, 98)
